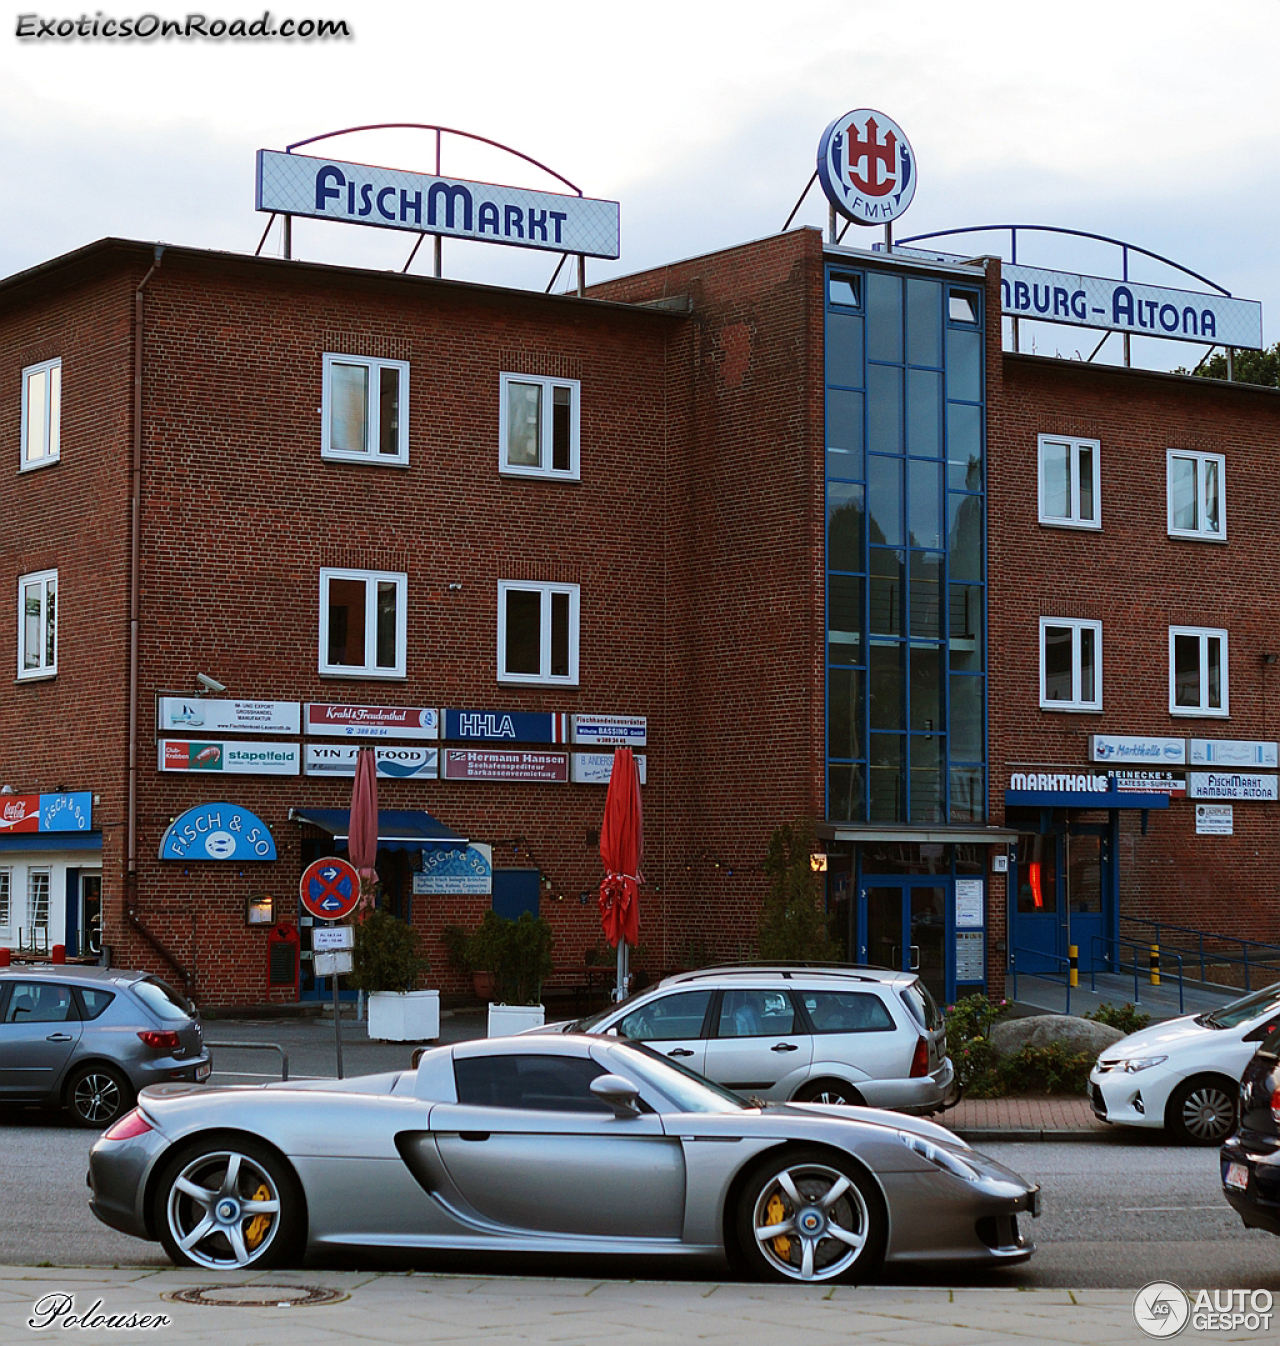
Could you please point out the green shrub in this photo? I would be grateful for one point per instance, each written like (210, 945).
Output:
(1127, 1018)
(793, 925)
(969, 1044)
(387, 954)
(1050, 1069)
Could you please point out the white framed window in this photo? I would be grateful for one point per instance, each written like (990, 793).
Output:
(363, 623)
(1197, 495)
(1070, 482)
(38, 899)
(6, 902)
(41, 414)
(1070, 664)
(364, 412)
(38, 624)
(1198, 671)
(538, 433)
(537, 632)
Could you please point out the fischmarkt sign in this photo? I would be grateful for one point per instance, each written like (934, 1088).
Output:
(1232, 785)
(391, 198)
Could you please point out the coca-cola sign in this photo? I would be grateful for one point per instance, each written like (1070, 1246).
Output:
(65, 811)
(347, 721)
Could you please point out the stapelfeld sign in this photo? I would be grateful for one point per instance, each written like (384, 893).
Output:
(389, 198)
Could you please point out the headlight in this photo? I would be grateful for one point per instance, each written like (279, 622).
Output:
(939, 1155)
(1137, 1063)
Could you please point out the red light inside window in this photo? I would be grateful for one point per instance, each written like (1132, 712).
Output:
(1037, 893)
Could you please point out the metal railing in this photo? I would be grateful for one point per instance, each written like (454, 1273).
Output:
(1214, 959)
(1118, 965)
(254, 1046)
(1044, 976)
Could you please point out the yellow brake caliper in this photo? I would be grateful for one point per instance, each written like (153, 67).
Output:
(259, 1225)
(776, 1213)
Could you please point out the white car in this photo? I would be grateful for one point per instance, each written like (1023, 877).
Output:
(817, 1034)
(1184, 1074)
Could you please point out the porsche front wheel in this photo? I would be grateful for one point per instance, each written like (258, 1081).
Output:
(229, 1205)
(808, 1216)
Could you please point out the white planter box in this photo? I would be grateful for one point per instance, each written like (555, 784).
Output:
(404, 1016)
(507, 1019)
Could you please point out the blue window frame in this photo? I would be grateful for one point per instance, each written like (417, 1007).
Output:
(905, 547)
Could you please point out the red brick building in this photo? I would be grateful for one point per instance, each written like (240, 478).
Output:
(779, 508)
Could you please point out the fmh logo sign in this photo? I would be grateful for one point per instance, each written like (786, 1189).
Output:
(867, 167)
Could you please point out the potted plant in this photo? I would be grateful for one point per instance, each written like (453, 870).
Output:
(518, 956)
(476, 953)
(387, 962)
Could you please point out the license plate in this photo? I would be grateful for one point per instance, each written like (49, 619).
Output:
(202, 1071)
(1237, 1177)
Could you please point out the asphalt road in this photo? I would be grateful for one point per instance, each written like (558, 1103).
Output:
(1119, 1212)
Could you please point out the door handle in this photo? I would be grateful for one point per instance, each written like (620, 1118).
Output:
(473, 1135)
(679, 1051)
(784, 1047)
(58, 1037)
(915, 957)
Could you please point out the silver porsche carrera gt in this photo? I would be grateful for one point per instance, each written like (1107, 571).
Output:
(565, 1144)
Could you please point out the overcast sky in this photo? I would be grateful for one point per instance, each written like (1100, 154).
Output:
(1153, 122)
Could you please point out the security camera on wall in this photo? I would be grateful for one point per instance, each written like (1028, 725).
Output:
(209, 684)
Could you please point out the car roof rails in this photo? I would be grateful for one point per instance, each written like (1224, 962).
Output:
(854, 971)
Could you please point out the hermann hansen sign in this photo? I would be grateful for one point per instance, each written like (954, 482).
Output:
(390, 198)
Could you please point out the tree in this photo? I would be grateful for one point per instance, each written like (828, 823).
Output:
(793, 925)
(1250, 367)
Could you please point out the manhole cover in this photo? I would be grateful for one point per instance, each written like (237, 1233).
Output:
(257, 1296)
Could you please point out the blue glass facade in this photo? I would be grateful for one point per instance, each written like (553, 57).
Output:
(905, 547)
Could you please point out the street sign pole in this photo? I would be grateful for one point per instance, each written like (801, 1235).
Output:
(329, 890)
(337, 1023)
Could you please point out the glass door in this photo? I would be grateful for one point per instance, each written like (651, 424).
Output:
(905, 928)
(90, 927)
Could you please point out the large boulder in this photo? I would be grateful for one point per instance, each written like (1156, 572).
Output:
(1009, 1036)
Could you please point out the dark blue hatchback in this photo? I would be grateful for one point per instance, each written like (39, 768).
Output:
(1251, 1157)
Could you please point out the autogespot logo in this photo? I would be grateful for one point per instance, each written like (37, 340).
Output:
(1163, 1309)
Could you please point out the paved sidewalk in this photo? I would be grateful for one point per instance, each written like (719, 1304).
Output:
(499, 1310)
(1061, 1117)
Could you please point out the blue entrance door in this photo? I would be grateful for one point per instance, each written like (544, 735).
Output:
(1062, 893)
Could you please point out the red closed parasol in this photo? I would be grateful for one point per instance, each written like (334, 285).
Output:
(621, 849)
(362, 839)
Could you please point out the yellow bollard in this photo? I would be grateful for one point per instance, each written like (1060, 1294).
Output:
(1155, 965)
(1073, 962)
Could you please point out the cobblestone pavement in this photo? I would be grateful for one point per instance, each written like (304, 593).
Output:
(500, 1310)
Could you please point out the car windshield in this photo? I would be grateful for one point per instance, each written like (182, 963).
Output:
(1246, 1008)
(161, 999)
(688, 1091)
(588, 1024)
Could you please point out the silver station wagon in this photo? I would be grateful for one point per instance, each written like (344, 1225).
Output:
(795, 1034)
(88, 1038)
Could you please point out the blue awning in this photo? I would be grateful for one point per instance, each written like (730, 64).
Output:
(398, 829)
(51, 841)
(1083, 799)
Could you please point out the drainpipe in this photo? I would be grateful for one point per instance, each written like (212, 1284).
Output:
(135, 605)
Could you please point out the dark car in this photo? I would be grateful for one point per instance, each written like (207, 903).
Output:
(88, 1038)
(1251, 1157)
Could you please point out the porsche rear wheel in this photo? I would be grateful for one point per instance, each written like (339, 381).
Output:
(229, 1204)
(807, 1215)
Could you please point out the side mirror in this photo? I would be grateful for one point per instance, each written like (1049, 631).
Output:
(618, 1093)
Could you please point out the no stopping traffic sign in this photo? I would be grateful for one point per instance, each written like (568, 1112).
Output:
(329, 888)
